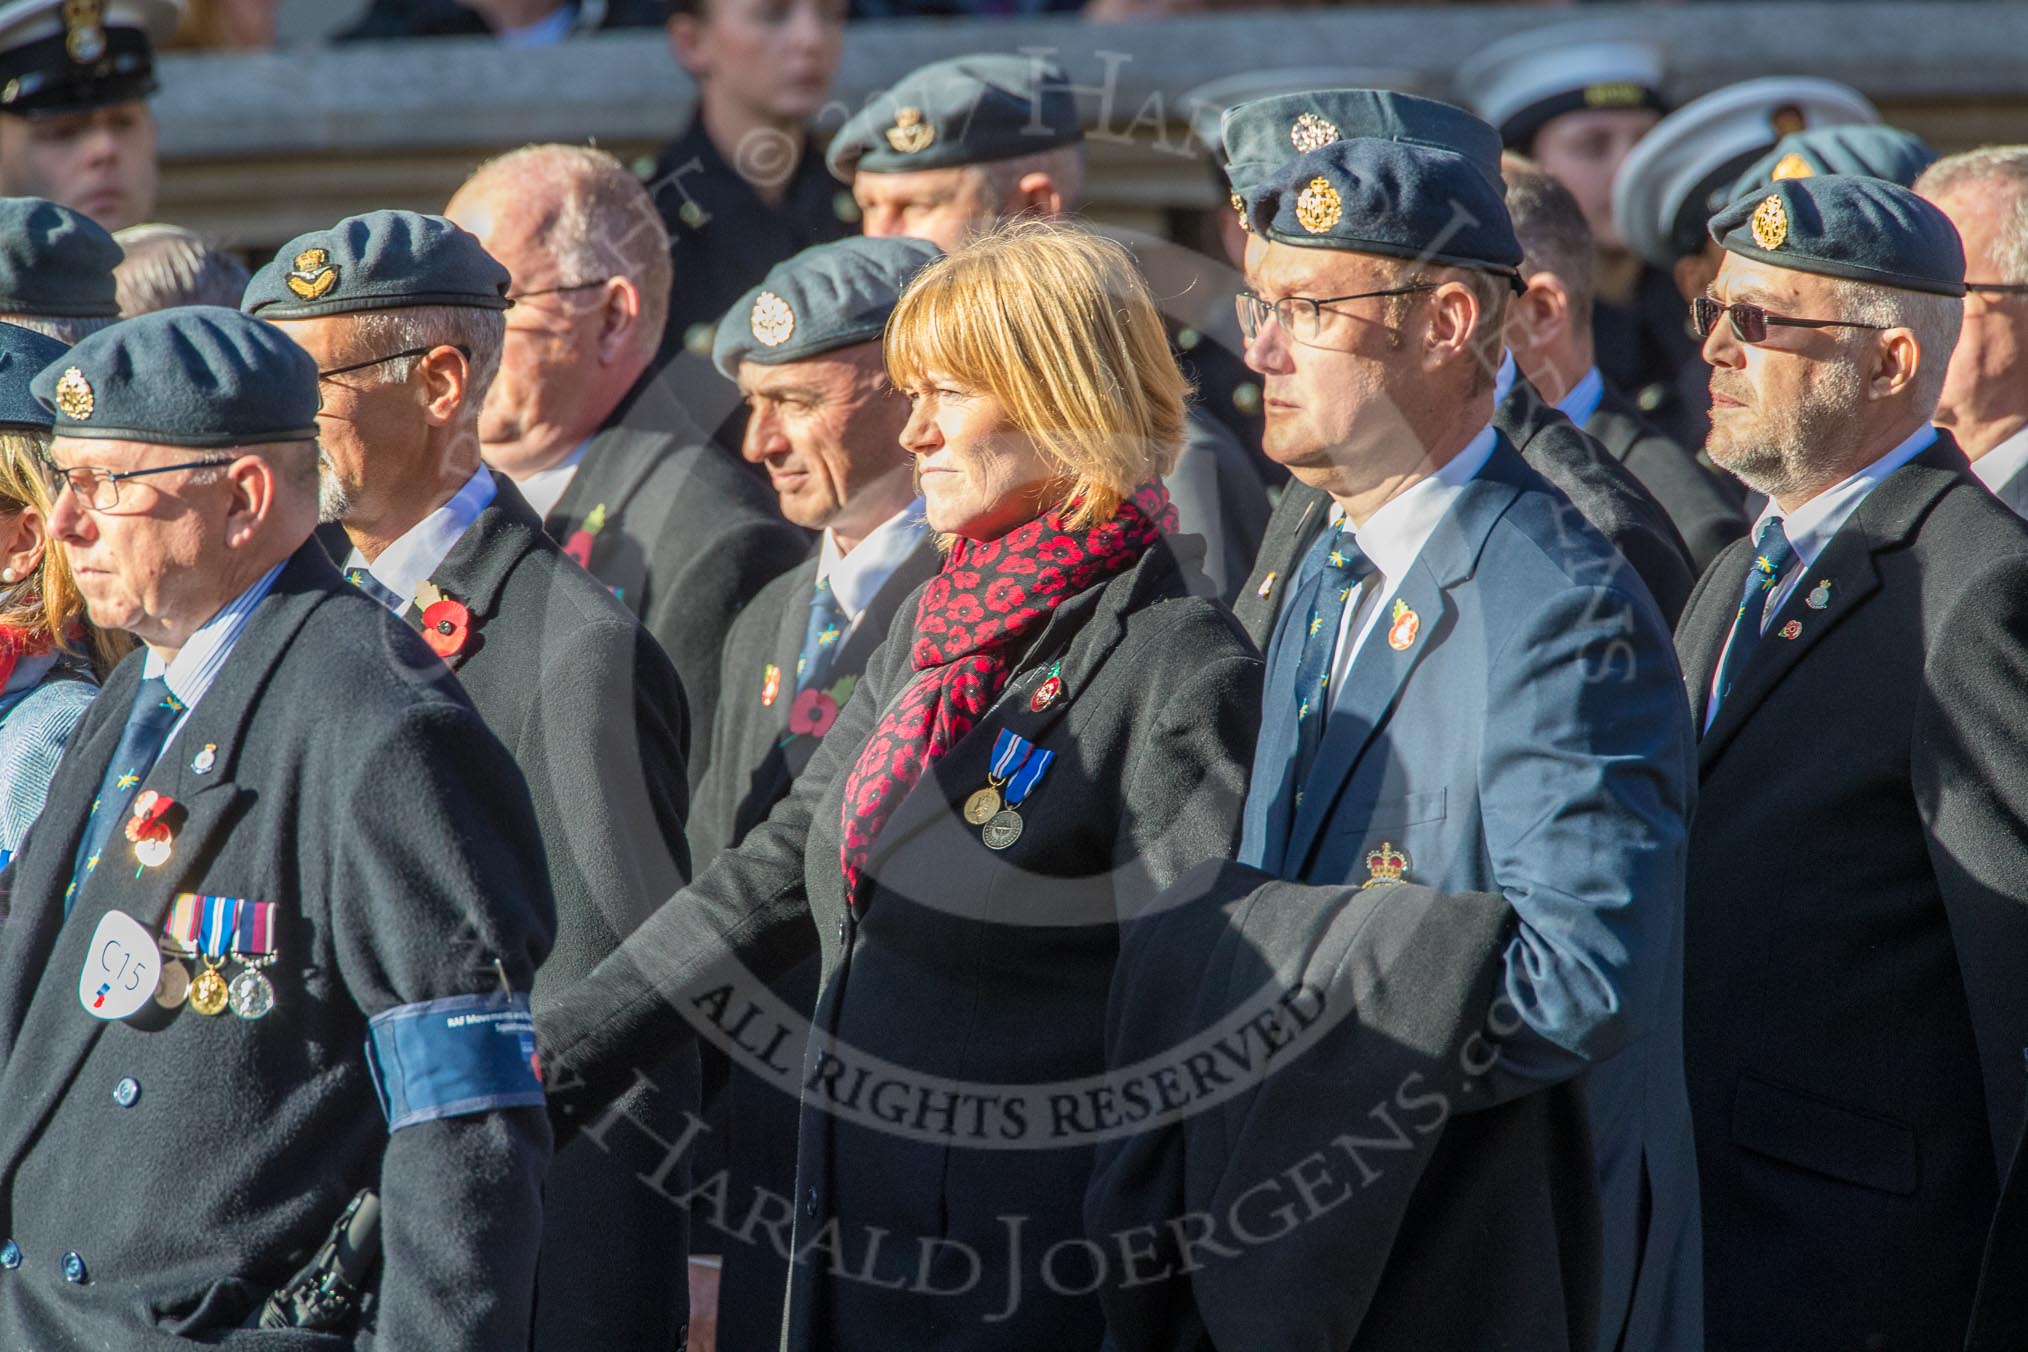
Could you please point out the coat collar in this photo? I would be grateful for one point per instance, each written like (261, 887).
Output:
(44, 951)
(476, 570)
(649, 424)
(1889, 516)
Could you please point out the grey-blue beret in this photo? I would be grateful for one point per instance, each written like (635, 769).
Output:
(1387, 197)
(826, 297)
(967, 110)
(55, 262)
(1861, 148)
(198, 375)
(384, 260)
(1860, 229)
(23, 352)
(1262, 135)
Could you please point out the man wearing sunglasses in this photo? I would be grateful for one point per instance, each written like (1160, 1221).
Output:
(1985, 394)
(1857, 920)
(1456, 620)
(403, 314)
(279, 848)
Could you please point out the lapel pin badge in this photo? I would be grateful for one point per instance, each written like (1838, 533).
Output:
(202, 762)
(1793, 629)
(1402, 632)
(1267, 584)
(1046, 694)
(771, 685)
(1820, 596)
(1385, 865)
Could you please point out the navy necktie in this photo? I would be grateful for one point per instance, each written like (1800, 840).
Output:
(1329, 579)
(364, 579)
(1774, 561)
(821, 636)
(149, 722)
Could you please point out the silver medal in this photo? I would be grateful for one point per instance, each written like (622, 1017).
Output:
(251, 996)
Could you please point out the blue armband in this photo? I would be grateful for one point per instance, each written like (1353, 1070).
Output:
(452, 1058)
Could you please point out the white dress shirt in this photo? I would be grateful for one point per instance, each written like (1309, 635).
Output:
(545, 487)
(408, 562)
(857, 578)
(1999, 465)
(1810, 528)
(1392, 538)
(1582, 401)
(198, 663)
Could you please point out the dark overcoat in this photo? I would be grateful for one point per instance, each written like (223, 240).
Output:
(963, 969)
(351, 784)
(1706, 506)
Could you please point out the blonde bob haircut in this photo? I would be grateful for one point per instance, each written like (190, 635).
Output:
(1057, 325)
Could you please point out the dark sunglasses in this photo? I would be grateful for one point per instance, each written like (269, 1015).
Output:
(1750, 322)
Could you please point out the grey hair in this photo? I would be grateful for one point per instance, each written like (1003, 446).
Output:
(601, 222)
(479, 332)
(1554, 237)
(167, 266)
(1934, 320)
(1065, 166)
(70, 329)
(2000, 166)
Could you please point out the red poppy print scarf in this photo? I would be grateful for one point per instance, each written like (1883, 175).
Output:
(989, 595)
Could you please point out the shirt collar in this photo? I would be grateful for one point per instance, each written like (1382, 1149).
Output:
(1998, 466)
(856, 578)
(1811, 526)
(1393, 536)
(408, 562)
(1582, 401)
(546, 31)
(543, 489)
(1504, 378)
(197, 665)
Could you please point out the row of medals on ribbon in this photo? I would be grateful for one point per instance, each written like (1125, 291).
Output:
(248, 994)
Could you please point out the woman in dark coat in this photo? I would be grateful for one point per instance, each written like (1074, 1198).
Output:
(1057, 727)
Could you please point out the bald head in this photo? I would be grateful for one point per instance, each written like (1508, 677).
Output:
(589, 258)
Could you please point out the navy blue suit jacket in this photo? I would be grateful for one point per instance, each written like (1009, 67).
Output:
(1531, 740)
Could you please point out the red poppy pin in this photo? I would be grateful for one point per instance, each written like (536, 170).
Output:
(1402, 632)
(579, 545)
(446, 623)
(771, 685)
(813, 713)
(150, 830)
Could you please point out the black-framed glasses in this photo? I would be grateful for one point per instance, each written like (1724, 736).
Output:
(459, 348)
(518, 296)
(1302, 316)
(99, 488)
(1750, 323)
(1999, 288)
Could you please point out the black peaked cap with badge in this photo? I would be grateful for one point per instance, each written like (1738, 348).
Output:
(68, 56)
(1859, 148)
(1390, 198)
(1262, 135)
(198, 375)
(967, 110)
(1859, 229)
(383, 260)
(55, 262)
(23, 353)
(826, 297)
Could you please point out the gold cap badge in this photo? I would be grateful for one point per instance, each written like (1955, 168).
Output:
(910, 134)
(1614, 94)
(314, 274)
(1770, 224)
(1318, 206)
(1792, 165)
(772, 321)
(1386, 864)
(74, 395)
(1239, 210)
(1310, 132)
(84, 30)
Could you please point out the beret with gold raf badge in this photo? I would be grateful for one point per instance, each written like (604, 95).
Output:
(200, 376)
(1390, 198)
(69, 56)
(23, 353)
(55, 262)
(1261, 135)
(826, 297)
(1874, 151)
(383, 260)
(1859, 229)
(967, 110)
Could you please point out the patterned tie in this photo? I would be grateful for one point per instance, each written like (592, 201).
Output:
(149, 722)
(821, 636)
(1329, 578)
(364, 579)
(1773, 563)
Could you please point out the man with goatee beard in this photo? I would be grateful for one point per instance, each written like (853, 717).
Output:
(1856, 928)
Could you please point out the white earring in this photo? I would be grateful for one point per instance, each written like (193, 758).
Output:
(9, 575)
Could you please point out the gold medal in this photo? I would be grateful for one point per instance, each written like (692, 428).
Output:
(209, 994)
(981, 806)
(172, 988)
(1003, 830)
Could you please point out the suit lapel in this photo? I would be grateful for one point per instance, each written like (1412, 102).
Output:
(1700, 637)
(648, 424)
(476, 570)
(1889, 515)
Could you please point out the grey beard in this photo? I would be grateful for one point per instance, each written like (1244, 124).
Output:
(332, 504)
